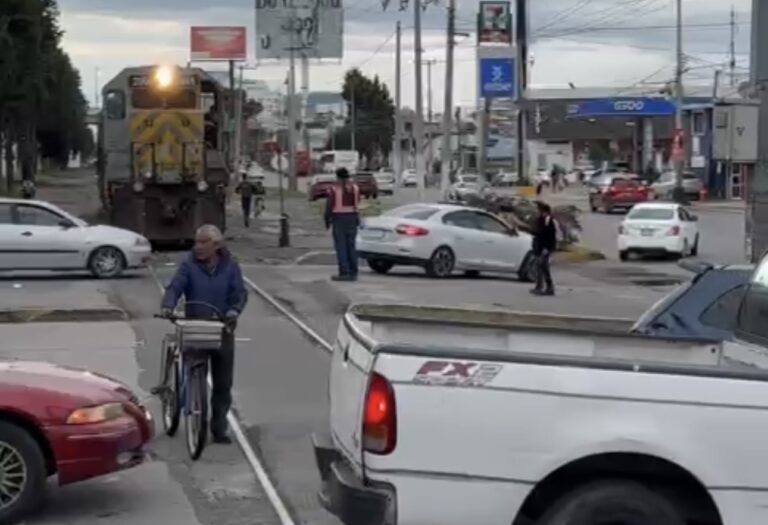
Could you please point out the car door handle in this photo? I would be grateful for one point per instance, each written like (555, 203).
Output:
(27, 234)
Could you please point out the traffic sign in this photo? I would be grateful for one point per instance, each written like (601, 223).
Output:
(498, 78)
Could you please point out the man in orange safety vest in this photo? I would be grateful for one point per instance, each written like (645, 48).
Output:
(342, 213)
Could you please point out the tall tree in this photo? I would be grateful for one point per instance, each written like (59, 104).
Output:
(374, 113)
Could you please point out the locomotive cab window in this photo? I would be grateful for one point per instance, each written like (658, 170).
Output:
(114, 104)
(171, 99)
(751, 324)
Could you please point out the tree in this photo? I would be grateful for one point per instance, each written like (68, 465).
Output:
(374, 115)
(42, 108)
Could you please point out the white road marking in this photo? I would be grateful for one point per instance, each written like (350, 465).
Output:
(253, 459)
(308, 255)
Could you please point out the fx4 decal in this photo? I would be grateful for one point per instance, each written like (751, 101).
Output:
(456, 373)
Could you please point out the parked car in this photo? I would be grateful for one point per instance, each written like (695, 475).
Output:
(65, 422)
(458, 416)
(409, 178)
(443, 238)
(505, 179)
(385, 181)
(609, 193)
(37, 235)
(319, 185)
(460, 191)
(659, 229)
(367, 184)
(704, 307)
(664, 187)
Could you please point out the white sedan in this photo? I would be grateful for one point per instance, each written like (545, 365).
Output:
(409, 178)
(660, 228)
(443, 238)
(36, 235)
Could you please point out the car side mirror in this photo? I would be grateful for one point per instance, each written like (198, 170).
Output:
(513, 232)
(65, 224)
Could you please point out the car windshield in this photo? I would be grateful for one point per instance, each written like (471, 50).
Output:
(469, 178)
(651, 214)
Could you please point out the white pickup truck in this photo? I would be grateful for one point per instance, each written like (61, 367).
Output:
(456, 417)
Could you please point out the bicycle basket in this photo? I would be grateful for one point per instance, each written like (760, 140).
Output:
(199, 335)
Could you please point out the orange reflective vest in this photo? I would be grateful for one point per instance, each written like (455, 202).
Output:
(338, 199)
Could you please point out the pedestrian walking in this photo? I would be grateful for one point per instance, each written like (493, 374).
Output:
(544, 244)
(342, 214)
(246, 190)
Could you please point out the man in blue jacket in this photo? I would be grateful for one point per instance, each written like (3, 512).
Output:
(210, 275)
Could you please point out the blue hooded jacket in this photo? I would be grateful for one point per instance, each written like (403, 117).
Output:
(222, 288)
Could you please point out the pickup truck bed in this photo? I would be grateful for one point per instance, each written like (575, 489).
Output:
(450, 416)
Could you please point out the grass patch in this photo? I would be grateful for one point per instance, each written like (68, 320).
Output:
(577, 253)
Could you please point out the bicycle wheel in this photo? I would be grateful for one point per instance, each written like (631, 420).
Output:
(170, 388)
(196, 420)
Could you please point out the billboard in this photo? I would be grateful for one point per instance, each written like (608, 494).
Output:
(498, 78)
(218, 43)
(314, 28)
(494, 23)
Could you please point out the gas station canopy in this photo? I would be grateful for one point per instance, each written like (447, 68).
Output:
(621, 107)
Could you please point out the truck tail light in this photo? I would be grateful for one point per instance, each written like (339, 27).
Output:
(674, 231)
(380, 417)
(412, 231)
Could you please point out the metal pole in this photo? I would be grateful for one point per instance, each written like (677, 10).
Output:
(232, 112)
(284, 240)
(678, 194)
(304, 100)
(419, 120)
(398, 146)
(481, 147)
(353, 117)
(732, 61)
(446, 153)
(239, 117)
(430, 148)
(292, 180)
(522, 114)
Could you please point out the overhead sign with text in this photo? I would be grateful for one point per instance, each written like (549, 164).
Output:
(494, 23)
(312, 28)
(622, 107)
(498, 78)
(218, 43)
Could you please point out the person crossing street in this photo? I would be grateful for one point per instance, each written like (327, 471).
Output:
(342, 214)
(246, 190)
(544, 245)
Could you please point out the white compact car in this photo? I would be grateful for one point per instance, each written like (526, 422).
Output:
(409, 179)
(385, 181)
(36, 235)
(443, 238)
(659, 228)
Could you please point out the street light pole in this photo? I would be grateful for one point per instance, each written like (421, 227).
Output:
(678, 193)
(446, 151)
(419, 120)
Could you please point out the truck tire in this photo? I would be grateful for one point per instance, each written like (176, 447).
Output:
(610, 502)
(23, 464)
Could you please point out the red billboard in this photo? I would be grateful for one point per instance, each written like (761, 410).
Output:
(218, 43)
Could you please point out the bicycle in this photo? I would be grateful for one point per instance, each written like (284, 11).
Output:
(184, 383)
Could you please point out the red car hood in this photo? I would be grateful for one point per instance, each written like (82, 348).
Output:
(50, 392)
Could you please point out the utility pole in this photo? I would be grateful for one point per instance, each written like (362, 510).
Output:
(239, 117)
(446, 151)
(231, 120)
(292, 180)
(304, 101)
(398, 142)
(757, 183)
(430, 147)
(419, 120)
(521, 35)
(732, 48)
(678, 194)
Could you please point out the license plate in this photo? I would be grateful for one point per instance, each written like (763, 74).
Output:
(372, 234)
(646, 232)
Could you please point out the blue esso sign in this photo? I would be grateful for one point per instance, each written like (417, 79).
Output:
(498, 78)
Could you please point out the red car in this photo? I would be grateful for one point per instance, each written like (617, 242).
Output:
(608, 194)
(365, 180)
(319, 186)
(69, 422)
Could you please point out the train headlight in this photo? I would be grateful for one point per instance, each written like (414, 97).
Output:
(148, 174)
(138, 186)
(202, 186)
(164, 76)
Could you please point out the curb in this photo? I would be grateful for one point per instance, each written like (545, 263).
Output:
(60, 315)
(578, 254)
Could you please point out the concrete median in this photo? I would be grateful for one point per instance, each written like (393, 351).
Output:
(578, 253)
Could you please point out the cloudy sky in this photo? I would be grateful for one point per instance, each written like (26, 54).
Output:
(586, 42)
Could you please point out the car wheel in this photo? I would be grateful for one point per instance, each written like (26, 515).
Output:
(22, 473)
(106, 262)
(375, 196)
(615, 501)
(529, 270)
(623, 255)
(380, 266)
(441, 264)
(695, 249)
